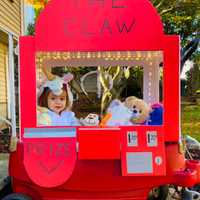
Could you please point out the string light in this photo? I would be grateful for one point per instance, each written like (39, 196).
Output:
(58, 55)
(98, 55)
(139, 55)
(118, 54)
(150, 83)
(128, 54)
(147, 56)
(82, 54)
(88, 55)
(74, 55)
(94, 55)
(65, 56)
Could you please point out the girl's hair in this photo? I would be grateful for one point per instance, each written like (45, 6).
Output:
(43, 99)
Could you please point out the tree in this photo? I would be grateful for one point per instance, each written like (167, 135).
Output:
(181, 17)
(38, 6)
(193, 80)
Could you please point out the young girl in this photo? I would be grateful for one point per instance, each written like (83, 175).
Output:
(55, 100)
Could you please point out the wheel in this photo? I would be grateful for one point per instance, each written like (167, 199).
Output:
(16, 196)
(190, 194)
(196, 188)
(7, 188)
(159, 193)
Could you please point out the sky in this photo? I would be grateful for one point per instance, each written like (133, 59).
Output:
(187, 66)
(28, 15)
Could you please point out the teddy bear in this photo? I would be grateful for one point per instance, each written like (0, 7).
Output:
(132, 111)
(140, 110)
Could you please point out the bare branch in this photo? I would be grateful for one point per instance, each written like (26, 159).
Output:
(166, 10)
(160, 4)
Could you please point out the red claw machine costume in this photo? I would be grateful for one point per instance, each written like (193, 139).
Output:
(117, 161)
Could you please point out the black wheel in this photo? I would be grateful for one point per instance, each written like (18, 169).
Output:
(159, 193)
(7, 188)
(16, 196)
(196, 188)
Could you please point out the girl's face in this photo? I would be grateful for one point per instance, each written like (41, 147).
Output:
(57, 103)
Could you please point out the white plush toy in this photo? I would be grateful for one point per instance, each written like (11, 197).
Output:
(133, 111)
(91, 120)
(120, 113)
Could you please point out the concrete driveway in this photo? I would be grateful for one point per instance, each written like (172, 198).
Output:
(3, 168)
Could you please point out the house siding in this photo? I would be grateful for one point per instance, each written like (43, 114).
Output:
(10, 15)
(10, 22)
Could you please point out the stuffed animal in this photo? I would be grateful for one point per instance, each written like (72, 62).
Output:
(131, 111)
(139, 108)
(119, 114)
(43, 119)
(156, 116)
(91, 120)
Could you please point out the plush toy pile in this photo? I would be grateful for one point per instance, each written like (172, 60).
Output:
(133, 111)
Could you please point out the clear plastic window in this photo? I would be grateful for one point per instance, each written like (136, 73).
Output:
(99, 88)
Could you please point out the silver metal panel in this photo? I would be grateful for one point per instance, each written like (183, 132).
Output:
(152, 138)
(49, 132)
(11, 94)
(132, 138)
(139, 162)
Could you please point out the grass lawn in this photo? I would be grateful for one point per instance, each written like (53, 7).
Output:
(190, 120)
